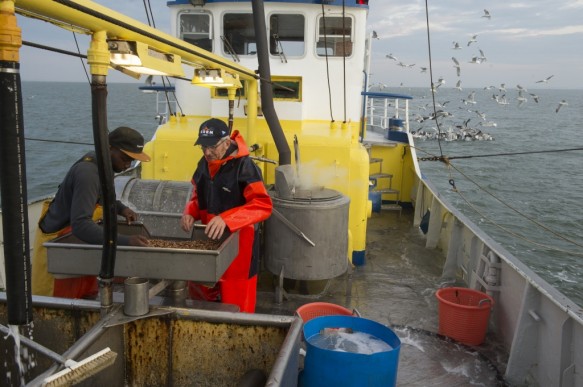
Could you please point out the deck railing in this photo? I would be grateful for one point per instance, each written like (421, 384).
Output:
(382, 107)
(166, 103)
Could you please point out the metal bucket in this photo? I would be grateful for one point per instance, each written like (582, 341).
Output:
(326, 367)
(321, 216)
(136, 300)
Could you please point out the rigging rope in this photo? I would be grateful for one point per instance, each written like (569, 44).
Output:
(519, 236)
(59, 141)
(152, 23)
(53, 49)
(80, 58)
(544, 227)
(431, 77)
(327, 64)
(146, 6)
(443, 158)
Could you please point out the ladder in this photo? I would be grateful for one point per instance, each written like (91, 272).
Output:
(388, 188)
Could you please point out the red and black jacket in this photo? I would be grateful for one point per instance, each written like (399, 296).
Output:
(233, 189)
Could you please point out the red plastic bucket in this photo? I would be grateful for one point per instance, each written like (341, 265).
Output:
(317, 309)
(464, 314)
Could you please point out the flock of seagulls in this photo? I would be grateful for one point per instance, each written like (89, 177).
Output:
(464, 132)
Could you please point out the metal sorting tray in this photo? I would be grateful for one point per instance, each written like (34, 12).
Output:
(69, 255)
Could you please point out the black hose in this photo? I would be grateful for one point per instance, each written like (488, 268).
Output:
(101, 139)
(14, 196)
(265, 84)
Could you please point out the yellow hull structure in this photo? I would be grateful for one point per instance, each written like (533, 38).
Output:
(330, 156)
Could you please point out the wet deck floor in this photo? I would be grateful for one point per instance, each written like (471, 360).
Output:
(396, 287)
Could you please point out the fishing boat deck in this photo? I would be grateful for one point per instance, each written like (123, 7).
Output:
(396, 287)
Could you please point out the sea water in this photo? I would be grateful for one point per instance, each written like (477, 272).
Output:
(547, 187)
(349, 341)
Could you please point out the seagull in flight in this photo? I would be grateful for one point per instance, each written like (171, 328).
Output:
(521, 98)
(545, 80)
(435, 86)
(470, 99)
(456, 65)
(502, 87)
(423, 69)
(405, 65)
(534, 96)
(476, 60)
(391, 56)
(562, 103)
(486, 14)
(456, 46)
(473, 40)
(458, 85)
(375, 35)
(481, 115)
(521, 89)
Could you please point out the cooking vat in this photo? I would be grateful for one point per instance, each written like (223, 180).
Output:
(321, 215)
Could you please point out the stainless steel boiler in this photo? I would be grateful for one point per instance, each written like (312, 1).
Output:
(306, 238)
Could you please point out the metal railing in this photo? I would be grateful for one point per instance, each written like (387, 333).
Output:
(382, 107)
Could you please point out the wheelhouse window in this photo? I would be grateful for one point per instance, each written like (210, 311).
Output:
(334, 36)
(286, 35)
(195, 28)
(238, 34)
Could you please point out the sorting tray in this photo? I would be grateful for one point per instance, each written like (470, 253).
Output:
(68, 255)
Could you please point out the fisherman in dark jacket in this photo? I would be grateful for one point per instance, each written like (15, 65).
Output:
(228, 194)
(76, 208)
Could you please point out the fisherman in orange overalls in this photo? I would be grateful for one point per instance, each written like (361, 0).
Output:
(228, 193)
(76, 207)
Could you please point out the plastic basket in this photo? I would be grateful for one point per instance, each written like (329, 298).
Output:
(464, 314)
(317, 309)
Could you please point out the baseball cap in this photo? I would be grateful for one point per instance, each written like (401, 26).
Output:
(211, 131)
(129, 141)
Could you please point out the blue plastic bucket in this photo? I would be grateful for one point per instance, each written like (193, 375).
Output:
(327, 367)
(395, 124)
(376, 199)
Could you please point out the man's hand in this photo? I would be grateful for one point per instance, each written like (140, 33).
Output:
(186, 222)
(139, 240)
(129, 214)
(215, 228)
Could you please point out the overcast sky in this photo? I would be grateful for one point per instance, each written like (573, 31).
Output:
(523, 42)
